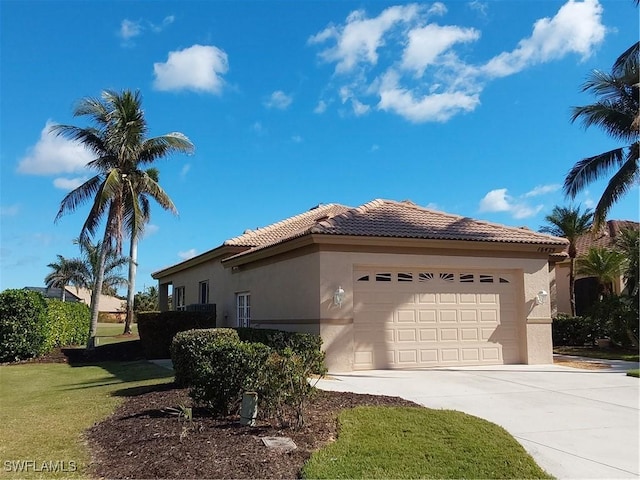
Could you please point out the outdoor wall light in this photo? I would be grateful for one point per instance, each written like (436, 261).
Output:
(338, 297)
(541, 297)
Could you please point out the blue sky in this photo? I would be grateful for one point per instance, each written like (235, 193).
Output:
(461, 106)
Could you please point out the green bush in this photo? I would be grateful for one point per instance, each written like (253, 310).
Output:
(157, 329)
(618, 317)
(226, 371)
(190, 348)
(576, 331)
(67, 324)
(23, 325)
(307, 345)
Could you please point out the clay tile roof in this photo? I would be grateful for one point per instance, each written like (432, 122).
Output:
(289, 228)
(386, 218)
(605, 238)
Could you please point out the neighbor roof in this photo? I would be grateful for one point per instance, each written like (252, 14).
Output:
(387, 218)
(605, 238)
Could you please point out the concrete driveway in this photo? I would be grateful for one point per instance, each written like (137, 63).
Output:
(575, 423)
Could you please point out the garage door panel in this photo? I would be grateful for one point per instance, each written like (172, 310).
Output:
(429, 320)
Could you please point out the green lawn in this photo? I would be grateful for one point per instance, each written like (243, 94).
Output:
(378, 442)
(46, 407)
(595, 352)
(112, 333)
(634, 373)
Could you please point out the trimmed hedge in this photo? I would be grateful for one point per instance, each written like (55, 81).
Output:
(305, 344)
(157, 329)
(575, 331)
(67, 324)
(190, 348)
(23, 325)
(226, 371)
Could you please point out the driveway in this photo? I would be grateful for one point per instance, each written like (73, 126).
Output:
(575, 423)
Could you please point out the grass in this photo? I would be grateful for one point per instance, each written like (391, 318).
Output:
(595, 352)
(112, 333)
(634, 373)
(46, 407)
(378, 442)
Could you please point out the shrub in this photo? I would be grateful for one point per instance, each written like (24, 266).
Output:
(618, 318)
(23, 325)
(575, 331)
(226, 371)
(189, 349)
(307, 345)
(67, 324)
(157, 329)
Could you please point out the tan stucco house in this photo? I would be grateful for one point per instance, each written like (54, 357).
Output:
(586, 288)
(387, 285)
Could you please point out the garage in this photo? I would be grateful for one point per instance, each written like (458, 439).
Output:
(411, 318)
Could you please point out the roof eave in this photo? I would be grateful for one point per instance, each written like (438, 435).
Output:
(221, 251)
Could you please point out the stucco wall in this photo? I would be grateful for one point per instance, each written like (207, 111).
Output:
(563, 299)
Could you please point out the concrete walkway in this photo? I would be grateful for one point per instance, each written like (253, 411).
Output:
(575, 423)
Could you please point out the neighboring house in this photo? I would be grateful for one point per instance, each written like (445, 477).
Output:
(586, 288)
(55, 292)
(387, 285)
(112, 307)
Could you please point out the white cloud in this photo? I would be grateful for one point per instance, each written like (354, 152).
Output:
(279, 100)
(186, 255)
(258, 127)
(359, 108)
(321, 107)
(68, 184)
(53, 155)
(129, 29)
(426, 44)
(408, 103)
(360, 38)
(480, 7)
(407, 65)
(150, 229)
(199, 68)
(576, 28)
(9, 210)
(184, 170)
(543, 190)
(499, 200)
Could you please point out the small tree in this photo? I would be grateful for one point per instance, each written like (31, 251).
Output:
(570, 223)
(147, 300)
(605, 264)
(64, 272)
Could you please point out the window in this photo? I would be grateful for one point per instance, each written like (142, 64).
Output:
(405, 277)
(383, 277)
(364, 278)
(447, 277)
(486, 278)
(243, 302)
(203, 289)
(425, 277)
(178, 293)
(466, 278)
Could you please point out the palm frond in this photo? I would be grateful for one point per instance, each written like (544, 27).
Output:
(590, 169)
(619, 185)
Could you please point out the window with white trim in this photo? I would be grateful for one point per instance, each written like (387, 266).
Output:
(203, 292)
(243, 303)
(178, 294)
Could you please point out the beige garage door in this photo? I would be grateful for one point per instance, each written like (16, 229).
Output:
(424, 318)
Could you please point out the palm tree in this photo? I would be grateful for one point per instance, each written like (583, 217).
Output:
(628, 242)
(605, 264)
(66, 271)
(570, 223)
(118, 140)
(617, 111)
(90, 266)
(140, 186)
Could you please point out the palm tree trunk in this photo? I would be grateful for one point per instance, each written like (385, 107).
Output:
(97, 290)
(62, 294)
(572, 285)
(133, 265)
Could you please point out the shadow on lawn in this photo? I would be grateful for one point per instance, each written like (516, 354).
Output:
(125, 363)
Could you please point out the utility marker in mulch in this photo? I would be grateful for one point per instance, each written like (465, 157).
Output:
(283, 443)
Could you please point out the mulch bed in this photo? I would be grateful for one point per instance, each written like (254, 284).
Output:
(142, 439)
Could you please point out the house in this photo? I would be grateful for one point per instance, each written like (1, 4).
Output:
(387, 285)
(586, 288)
(110, 306)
